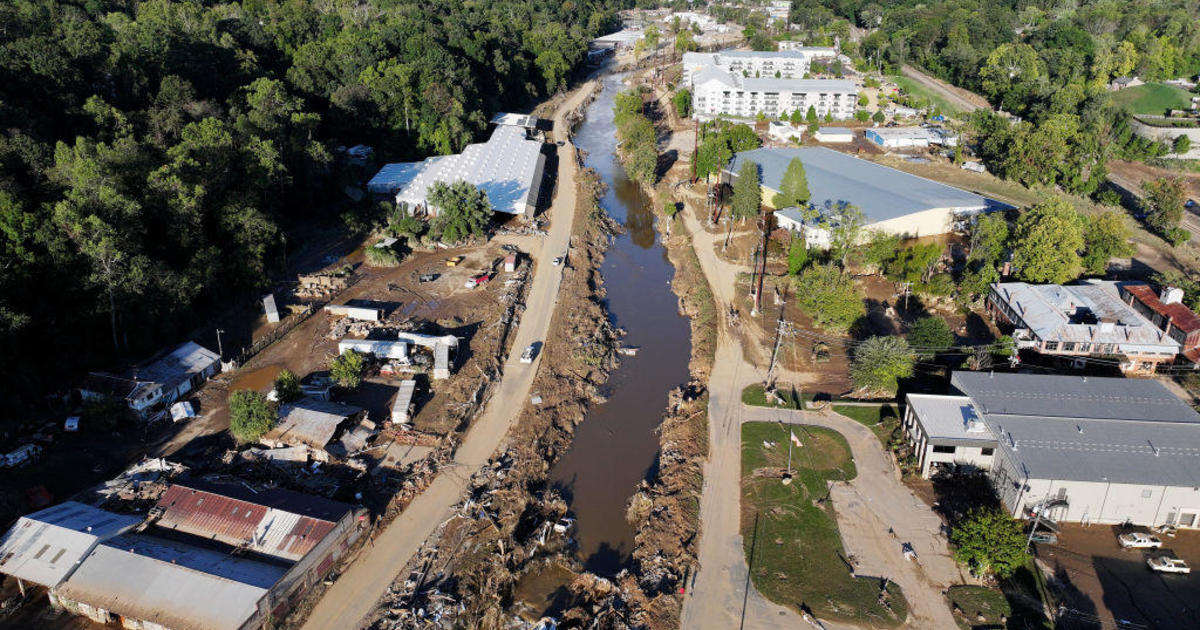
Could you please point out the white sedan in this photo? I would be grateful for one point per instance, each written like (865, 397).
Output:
(1168, 564)
(529, 354)
(1138, 540)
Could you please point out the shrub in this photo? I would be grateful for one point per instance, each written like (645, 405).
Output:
(347, 369)
(250, 415)
(879, 364)
(287, 386)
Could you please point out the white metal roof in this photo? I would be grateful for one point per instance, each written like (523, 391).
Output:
(393, 177)
(948, 417)
(515, 120)
(507, 167)
(735, 81)
(178, 586)
(1074, 313)
(178, 366)
(44, 547)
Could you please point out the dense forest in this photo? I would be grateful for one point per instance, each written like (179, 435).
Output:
(155, 155)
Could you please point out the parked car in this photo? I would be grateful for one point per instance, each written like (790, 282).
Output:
(1168, 563)
(529, 353)
(427, 277)
(557, 261)
(1138, 540)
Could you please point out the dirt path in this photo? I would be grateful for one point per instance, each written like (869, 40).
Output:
(352, 598)
(720, 595)
(963, 99)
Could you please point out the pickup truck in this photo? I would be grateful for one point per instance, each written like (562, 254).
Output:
(529, 353)
(477, 281)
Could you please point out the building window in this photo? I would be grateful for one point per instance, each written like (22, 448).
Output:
(987, 452)
(1051, 346)
(949, 450)
(1068, 346)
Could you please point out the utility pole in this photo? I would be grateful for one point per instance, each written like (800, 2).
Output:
(220, 349)
(695, 148)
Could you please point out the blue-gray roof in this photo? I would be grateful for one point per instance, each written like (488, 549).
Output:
(1065, 396)
(881, 192)
(393, 177)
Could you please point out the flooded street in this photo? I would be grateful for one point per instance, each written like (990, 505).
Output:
(616, 446)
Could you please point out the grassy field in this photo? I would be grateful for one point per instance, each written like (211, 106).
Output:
(755, 396)
(1152, 98)
(790, 534)
(881, 419)
(974, 601)
(914, 88)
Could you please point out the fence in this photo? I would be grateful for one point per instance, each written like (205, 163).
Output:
(289, 324)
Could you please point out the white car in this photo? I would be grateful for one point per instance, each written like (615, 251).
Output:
(557, 261)
(1168, 564)
(530, 352)
(1138, 540)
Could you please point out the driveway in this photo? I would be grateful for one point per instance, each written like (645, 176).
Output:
(357, 592)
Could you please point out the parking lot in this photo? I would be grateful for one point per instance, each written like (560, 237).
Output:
(1103, 584)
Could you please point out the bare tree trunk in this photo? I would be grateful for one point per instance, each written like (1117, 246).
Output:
(112, 311)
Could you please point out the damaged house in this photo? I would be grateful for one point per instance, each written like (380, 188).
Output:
(154, 385)
(314, 423)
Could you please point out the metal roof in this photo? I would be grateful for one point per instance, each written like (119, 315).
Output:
(393, 177)
(508, 167)
(515, 120)
(881, 192)
(277, 523)
(44, 547)
(1063, 396)
(1081, 313)
(179, 365)
(173, 584)
(948, 417)
(736, 81)
(1113, 430)
(1179, 315)
(310, 421)
(835, 131)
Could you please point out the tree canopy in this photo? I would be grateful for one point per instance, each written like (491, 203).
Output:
(1047, 241)
(828, 295)
(747, 192)
(988, 540)
(793, 190)
(463, 210)
(879, 363)
(250, 415)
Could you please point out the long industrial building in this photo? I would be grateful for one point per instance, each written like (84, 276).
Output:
(509, 167)
(892, 201)
(206, 557)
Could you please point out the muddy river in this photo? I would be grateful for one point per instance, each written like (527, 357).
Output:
(616, 446)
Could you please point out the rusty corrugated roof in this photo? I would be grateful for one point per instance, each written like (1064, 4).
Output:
(1181, 316)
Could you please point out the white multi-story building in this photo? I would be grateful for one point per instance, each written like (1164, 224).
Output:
(717, 92)
(748, 63)
(813, 52)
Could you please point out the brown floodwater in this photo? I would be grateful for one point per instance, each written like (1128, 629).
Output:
(616, 446)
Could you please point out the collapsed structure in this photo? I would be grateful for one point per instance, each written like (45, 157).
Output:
(152, 386)
(509, 168)
(1070, 448)
(207, 557)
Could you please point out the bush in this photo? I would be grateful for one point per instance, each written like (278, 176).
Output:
(287, 386)
(347, 369)
(930, 335)
(879, 364)
(382, 256)
(988, 540)
(829, 296)
(1177, 236)
(250, 415)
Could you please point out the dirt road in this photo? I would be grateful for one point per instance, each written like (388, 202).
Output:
(958, 97)
(352, 598)
(721, 595)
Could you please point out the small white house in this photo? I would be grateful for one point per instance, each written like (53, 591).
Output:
(785, 132)
(945, 432)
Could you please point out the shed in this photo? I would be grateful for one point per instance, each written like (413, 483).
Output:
(363, 313)
(270, 308)
(379, 348)
(834, 135)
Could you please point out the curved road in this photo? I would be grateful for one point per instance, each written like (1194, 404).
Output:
(358, 591)
(721, 596)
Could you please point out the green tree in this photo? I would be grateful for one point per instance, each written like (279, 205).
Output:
(682, 102)
(347, 369)
(988, 540)
(879, 363)
(1009, 73)
(797, 256)
(250, 415)
(988, 237)
(1105, 237)
(829, 296)
(1182, 144)
(797, 117)
(811, 115)
(929, 336)
(1047, 241)
(793, 189)
(463, 210)
(287, 386)
(863, 101)
(862, 115)
(747, 192)
(878, 117)
(1164, 203)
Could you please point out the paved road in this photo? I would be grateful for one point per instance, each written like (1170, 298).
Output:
(721, 596)
(358, 591)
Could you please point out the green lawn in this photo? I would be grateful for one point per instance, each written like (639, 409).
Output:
(881, 419)
(793, 547)
(978, 600)
(1152, 98)
(755, 396)
(910, 86)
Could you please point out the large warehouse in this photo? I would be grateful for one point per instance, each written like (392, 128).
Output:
(892, 201)
(1089, 449)
(508, 167)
